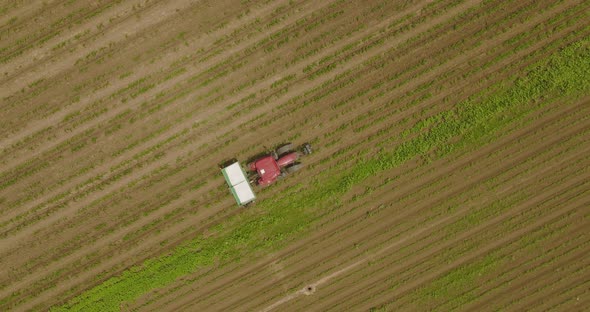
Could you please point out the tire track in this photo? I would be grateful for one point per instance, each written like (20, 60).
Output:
(105, 167)
(135, 150)
(147, 39)
(312, 268)
(435, 235)
(161, 136)
(408, 187)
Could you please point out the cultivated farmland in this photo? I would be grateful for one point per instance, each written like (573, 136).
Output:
(450, 170)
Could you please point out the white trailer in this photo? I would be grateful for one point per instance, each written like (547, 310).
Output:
(238, 183)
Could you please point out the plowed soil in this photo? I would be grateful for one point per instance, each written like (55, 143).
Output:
(115, 116)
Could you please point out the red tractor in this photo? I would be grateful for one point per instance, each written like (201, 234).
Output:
(277, 164)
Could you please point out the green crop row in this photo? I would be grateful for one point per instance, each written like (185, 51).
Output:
(470, 275)
(552, 208)
(175, 71)
(382, 93)
(203, 298)
(572, 298)
(502, 280)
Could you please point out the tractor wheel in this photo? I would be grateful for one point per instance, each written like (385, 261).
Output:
(307, 149)
(294, 168)
(284, 149)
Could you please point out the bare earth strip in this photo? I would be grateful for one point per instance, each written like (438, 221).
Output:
(323, 234)
(325, 279)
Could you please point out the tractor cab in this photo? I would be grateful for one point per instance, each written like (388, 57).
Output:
(277, 164)
(267, 168)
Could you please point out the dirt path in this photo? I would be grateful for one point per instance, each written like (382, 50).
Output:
(416, 283)
(125, 156)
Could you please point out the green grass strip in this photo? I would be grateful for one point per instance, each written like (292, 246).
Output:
(275, 221)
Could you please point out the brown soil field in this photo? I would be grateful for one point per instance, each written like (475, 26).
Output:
(116, 114)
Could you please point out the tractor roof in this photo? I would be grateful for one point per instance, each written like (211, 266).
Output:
(267, 168)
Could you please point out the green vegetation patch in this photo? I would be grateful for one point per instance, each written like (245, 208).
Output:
(457, 279)
(277, 220)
